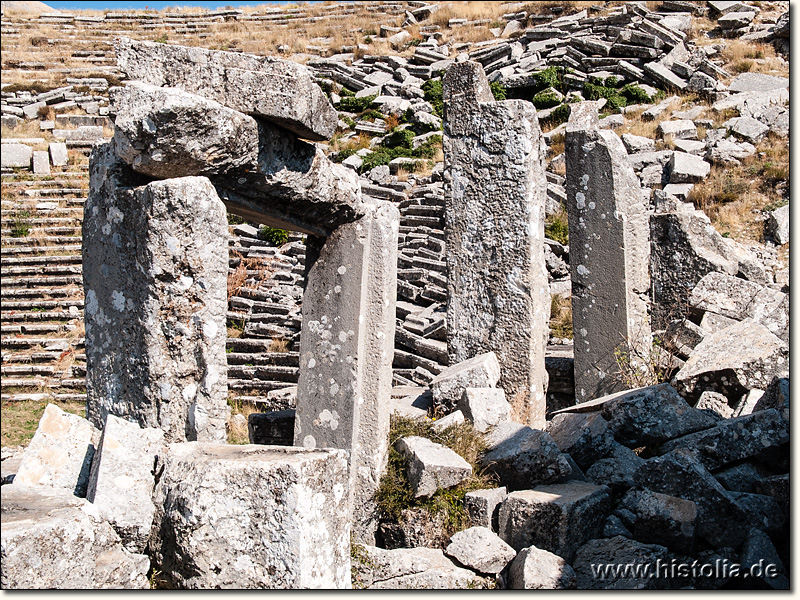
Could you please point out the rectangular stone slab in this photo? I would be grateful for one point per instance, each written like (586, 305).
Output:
(278, 90)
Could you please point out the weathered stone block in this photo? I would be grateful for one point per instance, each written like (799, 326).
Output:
(252, 517)
(608, 227)
(41, 162)
(485, 407)
(279, 90)
(346, 351)
(482, 506)
(558, 518)
(537, 569)
(586, 437)
(431, 466)
(53, 540)
(16, 156)
(687, 168)
(482, 371)
(619, 550)
(60, 453)
(166, 132)
(617, 469)
(480, 550)
(498, 293)
(123, 477)
(58, 154)
(759, 550)
(776, 396)
(662, 519)
(155, 269)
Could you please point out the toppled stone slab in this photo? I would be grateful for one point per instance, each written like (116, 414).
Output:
(687, 168)
(758, 549)
(410, 568)
(165, 132)
(777, 225)
(123, 478)
(617, 469)
(720, 520)
(537, 569)
(485, 407)
(652, 415)
(758, 82)
(776, 396)
(732, 361)
(479, 549)
(558, 518)
(662, 519)
(58, 154)
(482, 371)
(586, 437)
(279, 90)
(618, 550)
(252, 517)
(734, 439)
(16, 156)
(432, 466)
(53, 540)
(483, 505)
(60, 453)
(523, 457)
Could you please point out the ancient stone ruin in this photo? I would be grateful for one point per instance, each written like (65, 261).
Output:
(425, 420)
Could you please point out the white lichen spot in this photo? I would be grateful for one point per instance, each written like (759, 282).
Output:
(91, 302)
(582, 270)
(189, 392)
(184, 283)
(118, 300)
(311, 363)
(342, 336)
(338, 492)
(580, 200)
(210, 329)
(309, 442)
(337, 289)
(583, 332)
(591, 205)
(334, 389)
(341, 270)
(585, 179)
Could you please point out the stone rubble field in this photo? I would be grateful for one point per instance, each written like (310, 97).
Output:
(316, 301)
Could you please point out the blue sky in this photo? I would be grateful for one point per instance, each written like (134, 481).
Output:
(124, 5)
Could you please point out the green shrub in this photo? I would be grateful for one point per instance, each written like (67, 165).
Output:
(592, 90)
(370, 115)
(634, 94)
(545, 99)
(399, 138)
(550, 77)
(276, 237)
(559, 115)
(345, 93)
(384, 155)
(356, 105)
(498, 91)
(433, 94)
(556, 227)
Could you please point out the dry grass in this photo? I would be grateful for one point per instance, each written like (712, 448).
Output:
(636, 126)
(242, 273)
(237, 430)
(280, 345)
(560, 317)
(20, 419)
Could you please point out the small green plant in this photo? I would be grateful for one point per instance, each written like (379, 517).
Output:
(635, 94)
(432, 90)
(551, 77)
(162, 39)
(276, 237)
(498, 91)
(556, 227)
(559, 115)
(639, 366)
(356, 105)
(545, 99)
(20, 228)
(235, 219)
(358, 558)
(400, 138)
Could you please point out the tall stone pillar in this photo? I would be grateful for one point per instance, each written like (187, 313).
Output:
(155, 267)
(609, 254)
(498, 293)
(346, 353)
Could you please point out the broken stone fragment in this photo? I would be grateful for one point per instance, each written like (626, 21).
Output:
(482, 371)
(776, 396)
(662, 519)
(166, 132)
(281, 91)
(586, 437)
(557, 518)
(618, 550)
(537, 569)
(482, 506)
(431, 466)
(481, 550)
(617, 469)
(485, 407)
(60, 453)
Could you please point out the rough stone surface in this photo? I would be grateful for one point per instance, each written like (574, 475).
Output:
(618, 550)
(60, 453)
(411, 568)
(759, 550)
(41, 162)
(482, 371)
(485, 407)
(732, 361)
(58, 154)
(757, 82)
(123, 477)
(681, 129)
(165, 132)
(617, 469)
(346, 351)
(734, 439)
(778, 225)
(498, 292)
(53, 540)
(15, 156)
(663, 519)
(479, 549)
(586, 437)
(776, 396)
(716, 403)
(557, 518)
(536, 569)
(609, 238)
(652, 415)
(155, 269)
(482, 506)
(687, 168)
(525, 457)
(431, 466)
(747, 128)
(279, 90)
(252, 517)
(720, 520)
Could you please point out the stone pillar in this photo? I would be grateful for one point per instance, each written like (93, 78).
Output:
(498, 293)
(609, 254)
(155, 266)
(346, 352)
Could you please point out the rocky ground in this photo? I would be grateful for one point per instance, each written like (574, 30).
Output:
(691, 470)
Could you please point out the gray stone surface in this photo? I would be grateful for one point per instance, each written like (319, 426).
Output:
(481, 371)
(637, 143)
(53, 540)
(279, 90)
(664, 76)
(681, 129)
(58, 154)
(778, 225)
(586, 437)
(482, 506)
(16, 156)
(431, 466)
(662, 519)
(618, 550)
(247, 517)
(524, 457)
(155, 269)
(498, 293)
(736, 359)
(617, 469)
(720, 520)
(165, 132)
(485, 407)
(757, 82)
(716, 403)
(537, 569)
(411, 568)
(558, 518)
(653, 415)
(481, 550)
(609, 239)
(687, 168)
(736, 20)
(60, 453)
(776, 396)
(41, 162)
(123, 477)
(758, 549)
(728, 153)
